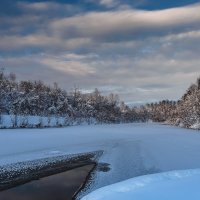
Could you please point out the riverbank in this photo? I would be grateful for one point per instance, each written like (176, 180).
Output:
(62, 186)
(20, 173)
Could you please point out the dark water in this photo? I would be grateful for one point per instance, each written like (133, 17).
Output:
(60, 186)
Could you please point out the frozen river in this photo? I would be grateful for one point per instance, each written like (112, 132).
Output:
(130, 149)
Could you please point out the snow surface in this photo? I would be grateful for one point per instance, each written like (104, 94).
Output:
(172, 185)
(130, 149)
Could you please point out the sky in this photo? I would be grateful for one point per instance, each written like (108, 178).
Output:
(143, 50)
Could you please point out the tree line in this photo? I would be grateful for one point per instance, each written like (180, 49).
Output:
(35, 98)
(185, 112)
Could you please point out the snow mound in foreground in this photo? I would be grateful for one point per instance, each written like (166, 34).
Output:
(173, 185)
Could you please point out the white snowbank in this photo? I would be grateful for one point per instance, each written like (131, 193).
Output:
(174, 185)
(28, 121)
(7, 121)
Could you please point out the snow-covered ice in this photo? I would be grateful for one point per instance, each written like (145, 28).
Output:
(174, 185)
(130, 149)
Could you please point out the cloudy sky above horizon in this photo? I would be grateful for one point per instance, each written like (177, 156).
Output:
(144, 50)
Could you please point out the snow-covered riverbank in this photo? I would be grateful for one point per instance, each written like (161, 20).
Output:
(174, 185)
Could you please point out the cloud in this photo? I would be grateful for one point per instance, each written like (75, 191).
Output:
(127, 24)
(109, 3)
(79, 30)
(49, 9)
(68, 65)
(142, 55)
(119, 4)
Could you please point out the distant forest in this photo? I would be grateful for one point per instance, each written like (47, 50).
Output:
(34, 98)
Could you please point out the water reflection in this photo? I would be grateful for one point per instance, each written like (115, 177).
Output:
(56, 187)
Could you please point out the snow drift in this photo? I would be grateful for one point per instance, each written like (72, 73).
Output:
(173, 185)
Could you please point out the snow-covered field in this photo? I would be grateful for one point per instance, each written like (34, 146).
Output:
(130, 149)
